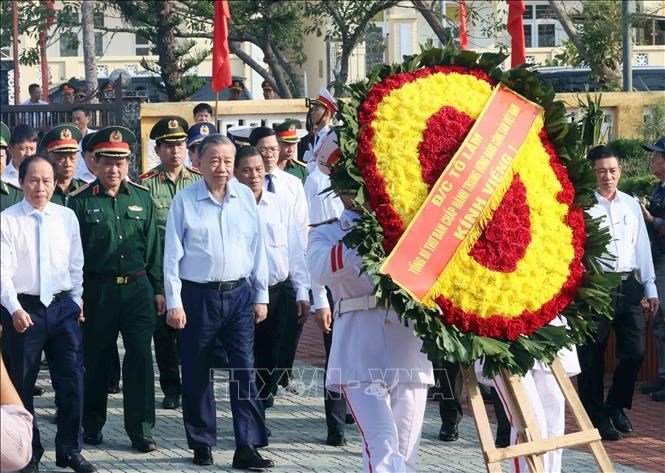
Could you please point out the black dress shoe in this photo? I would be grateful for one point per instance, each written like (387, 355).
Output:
(652, 388)
(336, 440)
(94, 438)
(248, 458)
(32, 467)
(37, 391)
(607, 432)
(203, 456)
(448, 432)
(349, 420)
(76, 462)
(171, 401)
(113, 388)
(658, 396)
(144, 445)
(619, 419)
(268, 402)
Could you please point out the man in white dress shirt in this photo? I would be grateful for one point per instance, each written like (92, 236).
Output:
(22, 144)
(631, 251)
(289, 188)
(286, 267)
(81, 118)
(41, 286)
(216, 284)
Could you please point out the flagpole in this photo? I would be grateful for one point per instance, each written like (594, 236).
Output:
(216, 110)
(17, 84)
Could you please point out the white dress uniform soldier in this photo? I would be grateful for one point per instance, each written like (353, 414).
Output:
(546, 400)
(375, 360)
(322, 111)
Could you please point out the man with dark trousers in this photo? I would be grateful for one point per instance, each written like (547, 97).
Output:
(122, 288)
(286, 266)
(216, 279)
(171, 176)
(41, 286)
(621, 215)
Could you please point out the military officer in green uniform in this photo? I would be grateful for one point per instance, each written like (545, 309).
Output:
(170, 135)
(122, 287)
(9, 194)
(289, 134)
(62, 145)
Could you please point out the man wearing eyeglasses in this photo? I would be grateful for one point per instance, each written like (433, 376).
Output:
(62, 145)
(289, 188)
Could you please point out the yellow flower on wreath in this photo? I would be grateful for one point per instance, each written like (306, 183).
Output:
(401, 119)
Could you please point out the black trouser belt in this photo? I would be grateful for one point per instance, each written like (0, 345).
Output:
(116, 279)
(61, 296)
(221, 286)
(278, 285)
(625, 274)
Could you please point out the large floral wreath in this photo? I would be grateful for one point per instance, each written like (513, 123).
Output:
(536, 256)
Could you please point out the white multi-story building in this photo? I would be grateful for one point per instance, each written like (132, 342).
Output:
(395, 33)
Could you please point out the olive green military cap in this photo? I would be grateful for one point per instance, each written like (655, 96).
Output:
(112, 141)
(5, 135)
(64, 138)
(290, 130)
(171, 129)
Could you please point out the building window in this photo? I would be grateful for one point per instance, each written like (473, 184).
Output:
(541, 28)
(143, 47)
(69, 44)
(99, 43)
(405, 40)
(98, 19)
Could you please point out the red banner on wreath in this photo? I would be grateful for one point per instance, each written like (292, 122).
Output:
(462, 192)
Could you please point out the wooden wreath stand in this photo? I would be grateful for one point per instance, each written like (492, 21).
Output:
(531, 445)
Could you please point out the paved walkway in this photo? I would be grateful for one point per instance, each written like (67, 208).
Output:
(298, 428)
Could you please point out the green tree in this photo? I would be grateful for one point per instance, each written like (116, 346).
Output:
(345, 22)
(158, 21)
(594, 38)
(276, 27)
(33, 19)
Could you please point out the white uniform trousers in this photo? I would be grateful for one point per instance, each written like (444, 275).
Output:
(390, 419)
(548, 405)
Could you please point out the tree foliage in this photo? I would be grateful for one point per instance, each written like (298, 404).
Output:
(346, 23)
(595, 39)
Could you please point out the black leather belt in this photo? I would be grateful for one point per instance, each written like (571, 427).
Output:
(116, 279)
(278, 285)
(625, 274)
(220, 286)
(59, 297)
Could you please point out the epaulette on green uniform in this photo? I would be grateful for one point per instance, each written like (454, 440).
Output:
(139, 186)
(79, 190)
(297, 161)
(325, 222)
(149, 174)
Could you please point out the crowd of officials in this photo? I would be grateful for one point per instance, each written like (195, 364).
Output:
(219, 255)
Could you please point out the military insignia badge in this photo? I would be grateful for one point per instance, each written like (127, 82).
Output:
(65, 134)
(292, 127)
(173, 124)
(116, 137)
(204, 130)
(135, 208)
